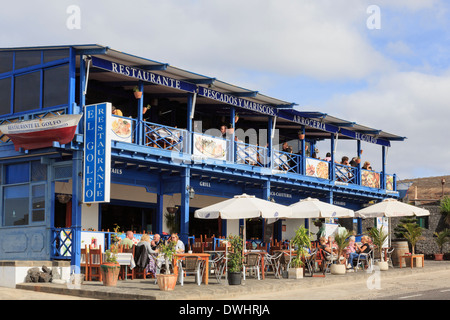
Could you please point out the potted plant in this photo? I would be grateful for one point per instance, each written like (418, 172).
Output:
(378, 239)
(300, 241)
(110, 268)
(167, 280)
(236, 117)
(412, 233)
(235, 260)
(137, 92)
(441, 238)
(342, 239)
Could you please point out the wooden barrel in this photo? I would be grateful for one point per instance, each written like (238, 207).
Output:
(400, 248)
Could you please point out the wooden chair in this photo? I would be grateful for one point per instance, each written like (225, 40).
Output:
(84, 262)
(197, 247)
(125, 271)
(94, 263)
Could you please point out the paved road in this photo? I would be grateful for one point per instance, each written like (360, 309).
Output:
(435, 284)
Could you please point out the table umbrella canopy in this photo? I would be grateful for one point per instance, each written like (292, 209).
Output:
(391, 208)
(314, 208)
(244, 207)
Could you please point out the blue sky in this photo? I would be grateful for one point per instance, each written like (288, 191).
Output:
(319, 54)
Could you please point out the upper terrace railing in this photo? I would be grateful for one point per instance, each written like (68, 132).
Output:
(201, 146)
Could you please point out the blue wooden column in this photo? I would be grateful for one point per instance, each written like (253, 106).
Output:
(332, 166)
(159, 208)
(77, 197)
(232, 145)
(383, 168)
(140, 107)
(184, 211)
(303, 159)
(270, 143)
(358, 153)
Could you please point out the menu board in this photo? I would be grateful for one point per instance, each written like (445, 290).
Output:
(317, 168)
(210, 147)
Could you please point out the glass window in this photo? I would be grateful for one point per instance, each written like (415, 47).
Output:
(52, 55)
(38, 171)
(38, 203)
(27, 59)
(16, 205)
(6, 61)
(5, 96)
(56, 86)
(17, 173)
(27, 92)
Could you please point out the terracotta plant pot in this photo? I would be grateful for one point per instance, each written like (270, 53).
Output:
(439, 256)
(301, 136)
(137, 94)
(110, 273)
(166, 282)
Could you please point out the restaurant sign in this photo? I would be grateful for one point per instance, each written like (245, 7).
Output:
(97, 153)
(143, 75)
(235, 101)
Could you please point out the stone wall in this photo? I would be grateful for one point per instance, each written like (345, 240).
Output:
(427, 246)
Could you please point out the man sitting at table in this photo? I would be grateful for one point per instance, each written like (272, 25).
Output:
(156, 242)
(128, 241)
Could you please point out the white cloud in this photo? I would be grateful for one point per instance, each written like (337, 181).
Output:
(408, 104)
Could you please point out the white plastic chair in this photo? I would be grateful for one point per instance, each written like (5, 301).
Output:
(252, 262)
(193, 266)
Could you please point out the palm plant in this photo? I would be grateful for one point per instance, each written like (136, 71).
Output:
(302, 241)
(412, 233)
(442, 238)
(378, 238)
(342, 239)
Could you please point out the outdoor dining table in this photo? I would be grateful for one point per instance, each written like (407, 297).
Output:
(202, 256)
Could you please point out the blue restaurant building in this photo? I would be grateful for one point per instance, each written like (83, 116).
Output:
(164, 150)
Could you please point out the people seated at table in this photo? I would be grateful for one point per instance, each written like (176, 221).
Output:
(351, 248)
(363, 248)
(367, 165)
(179, 245)
(116, 112)
(156, 242)
(327, 248)
(128, 240)
(145, 241)
(223, 131)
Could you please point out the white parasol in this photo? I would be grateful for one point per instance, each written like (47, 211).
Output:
(391, 208)
(244, 207)
(314, 208)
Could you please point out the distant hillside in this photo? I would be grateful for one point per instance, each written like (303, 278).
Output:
(428, 188)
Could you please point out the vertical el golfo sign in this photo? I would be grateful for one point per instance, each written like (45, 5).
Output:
(97, 153)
